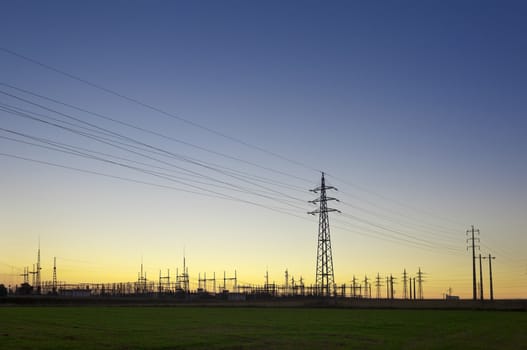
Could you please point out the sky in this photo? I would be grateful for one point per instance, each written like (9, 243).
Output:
(152, 130)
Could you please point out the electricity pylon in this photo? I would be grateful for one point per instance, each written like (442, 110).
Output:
(472, 240)
(325, 278)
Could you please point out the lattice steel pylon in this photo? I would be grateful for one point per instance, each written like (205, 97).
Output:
(325, 278)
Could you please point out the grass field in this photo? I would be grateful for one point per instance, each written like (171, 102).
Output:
(257, 328)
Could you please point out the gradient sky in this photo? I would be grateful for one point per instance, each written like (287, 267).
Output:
(415, 109)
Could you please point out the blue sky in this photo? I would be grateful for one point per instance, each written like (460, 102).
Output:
(420, 103)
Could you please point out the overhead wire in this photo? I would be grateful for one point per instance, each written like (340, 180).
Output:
(153, 108)
(86, 155)
(413, 242)
(159, 110)
(158, 134)
(106, 131)
(164, 152)
(205, 193)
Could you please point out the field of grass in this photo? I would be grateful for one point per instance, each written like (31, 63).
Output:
(257, 328)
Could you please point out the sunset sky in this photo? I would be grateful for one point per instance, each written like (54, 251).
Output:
(150, 130)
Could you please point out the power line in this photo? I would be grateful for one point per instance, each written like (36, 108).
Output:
(107, 132)
(210, 130)
(164, 152)
(393, 200)
(395, 231)
(171, 138)
(213, 195)
(159, 110)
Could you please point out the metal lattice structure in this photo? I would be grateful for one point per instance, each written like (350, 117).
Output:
(325, 278)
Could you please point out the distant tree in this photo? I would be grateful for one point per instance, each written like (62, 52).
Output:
(3, 290)
(24, 289)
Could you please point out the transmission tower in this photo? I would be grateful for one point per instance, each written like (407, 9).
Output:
(54, 288)
(354, 286)
(325, 278)
(37, 279)
(182, 280)
(286, 285)
(141, 280)
(405, 285)
(391, 286)
(420, 281)
(366, 287)
(378, 285)
(472, 245)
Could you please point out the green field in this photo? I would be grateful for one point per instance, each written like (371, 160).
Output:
(257, 328)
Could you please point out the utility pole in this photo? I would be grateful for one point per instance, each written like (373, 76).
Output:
(325, 278)
(405, 295)
(472, 239)
(490, 257)
(366, 287)
(480, 279)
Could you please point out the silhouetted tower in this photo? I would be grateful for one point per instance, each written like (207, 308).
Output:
(491, 286)
(37, 272)
(378, 285)
(182, 280)
(420, 284)
(366, 287)
(480, 279)
(286, 286)
(472, 240)
(410, 281)
(354, 286)
(405, 285)
(141, 280)
(54, 286)
(266, 286)
(391, 286)
(325, 278)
